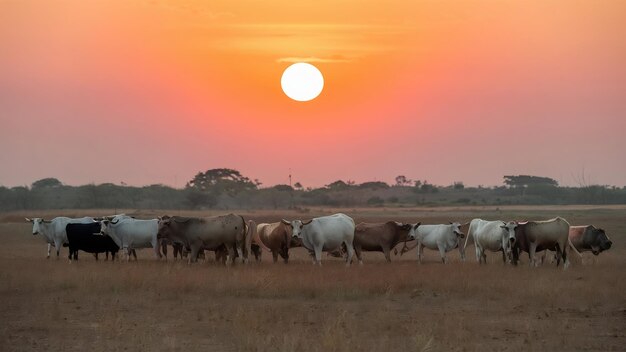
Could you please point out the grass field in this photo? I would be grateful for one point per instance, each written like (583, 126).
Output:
(402, 306)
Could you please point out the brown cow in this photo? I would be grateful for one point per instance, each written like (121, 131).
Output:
(379, 237)
(274, 237)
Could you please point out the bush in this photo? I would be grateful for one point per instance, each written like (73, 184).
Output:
(375, 200)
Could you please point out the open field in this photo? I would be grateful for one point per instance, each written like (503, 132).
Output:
(150, 305)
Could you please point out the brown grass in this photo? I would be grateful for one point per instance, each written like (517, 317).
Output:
(149, 305)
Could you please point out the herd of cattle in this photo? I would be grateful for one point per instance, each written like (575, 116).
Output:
(231, 236)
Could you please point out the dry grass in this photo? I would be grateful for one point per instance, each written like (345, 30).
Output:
(148, 305)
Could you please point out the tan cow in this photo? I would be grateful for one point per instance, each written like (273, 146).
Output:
(274, 237)
(536, 236)
(379, 237)
(208, 233)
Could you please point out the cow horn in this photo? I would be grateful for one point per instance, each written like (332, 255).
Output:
(306, 222)
(115, 222)
(285, 222)
(29, 220)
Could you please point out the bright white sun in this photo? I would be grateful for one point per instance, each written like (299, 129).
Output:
(302, 81)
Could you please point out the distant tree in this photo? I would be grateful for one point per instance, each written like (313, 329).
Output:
(219, 181)
(338, 185)
(298, 186)
(402, 181)
(374, 185)
(49, 182)
(458, 185)
(527, 180)
(283, 188)
(417, 183)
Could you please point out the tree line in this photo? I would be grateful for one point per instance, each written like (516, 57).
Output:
(229, 189)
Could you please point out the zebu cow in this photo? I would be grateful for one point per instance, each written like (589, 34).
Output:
(495, 236)
(130, 234)
(208, 233)
(536, 236)
(325, 233)
(588, 239)
(53, 231)
(87, 237)
(276, 238)
(380, 237)
(437, 237)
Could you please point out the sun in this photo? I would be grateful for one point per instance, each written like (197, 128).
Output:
(302, 81)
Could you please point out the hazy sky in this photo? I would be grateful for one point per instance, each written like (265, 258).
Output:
(154, 91)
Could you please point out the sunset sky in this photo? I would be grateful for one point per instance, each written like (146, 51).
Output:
(452, 90)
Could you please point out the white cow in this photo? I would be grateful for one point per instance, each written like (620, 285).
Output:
(130, 234)
(436, 237)
(494, 236)
(325, 233)
(53, 231)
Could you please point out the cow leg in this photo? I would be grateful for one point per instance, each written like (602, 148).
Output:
(193, 256)
(419, 251)
(134, 253)
(478, 253)
(357, 251)
(442, 253)
(503, 256)
(461, 251)
(49, 248)
(350, 250)
(531, 253)
(96, 255)
(275, 256)
(231, 255)
(318, 255)
(57, 246)
(240, 254)
(164, 249)
(386, 252)
(564, 256)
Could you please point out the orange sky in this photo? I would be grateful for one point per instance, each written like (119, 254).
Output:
(155, 91)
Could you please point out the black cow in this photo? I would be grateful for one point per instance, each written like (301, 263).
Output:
(87, 237)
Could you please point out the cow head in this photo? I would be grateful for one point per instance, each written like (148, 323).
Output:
(164, 230)
(508, 237)
(105, 226)
(412, 232)
(600, 242)
(296, 226)
(456, 228)
(38, 225)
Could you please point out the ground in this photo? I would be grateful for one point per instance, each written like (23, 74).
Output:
(149, 305)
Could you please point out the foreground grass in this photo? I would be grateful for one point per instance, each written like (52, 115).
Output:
(149, 305)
